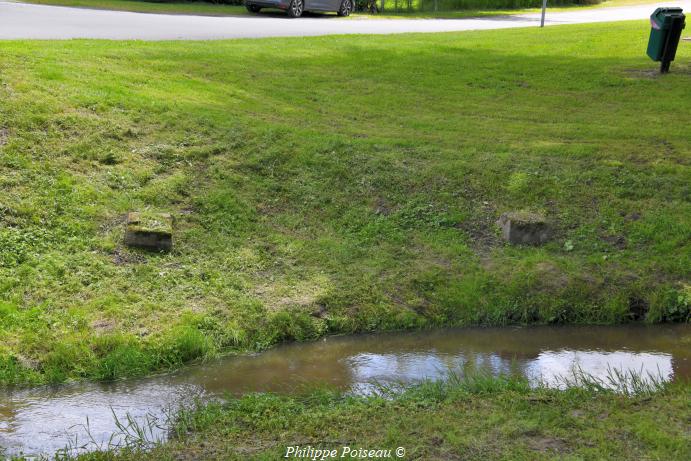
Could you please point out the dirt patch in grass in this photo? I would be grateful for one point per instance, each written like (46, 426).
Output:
(121, 257)
(551, 276)
(547, 445)
(675, 68)
(382, 207)
(643, 73)
(482, 229)
(103, 325)
(113, 222)
(283, 294)
(616, 241)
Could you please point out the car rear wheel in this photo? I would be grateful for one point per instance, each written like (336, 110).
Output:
(346, 8)
(296, 8)
(252, 8)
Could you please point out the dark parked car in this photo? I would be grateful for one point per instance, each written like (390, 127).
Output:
(295, 8)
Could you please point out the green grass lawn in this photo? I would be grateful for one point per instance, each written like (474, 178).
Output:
(476, 419)
(332, 185)
(195, 8)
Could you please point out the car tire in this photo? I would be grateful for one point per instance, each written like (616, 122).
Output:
(252, 8)
(296, 8)
(346, 8)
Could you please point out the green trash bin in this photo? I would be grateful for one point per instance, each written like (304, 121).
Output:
(666, 26)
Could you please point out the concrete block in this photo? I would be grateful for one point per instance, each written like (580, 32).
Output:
(152, 231)
(524, 228)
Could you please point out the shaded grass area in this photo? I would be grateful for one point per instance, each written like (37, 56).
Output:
(332, 185)
(472, 418)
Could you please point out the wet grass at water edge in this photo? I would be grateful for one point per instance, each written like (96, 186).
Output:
(476, 417)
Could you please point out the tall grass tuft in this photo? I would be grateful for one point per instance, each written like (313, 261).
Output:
(620, 381)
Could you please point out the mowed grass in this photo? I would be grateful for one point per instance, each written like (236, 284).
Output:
(332, 185)
(474, 419)
(199, 8)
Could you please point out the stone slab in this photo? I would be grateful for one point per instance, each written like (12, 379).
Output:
(524, 228)
(151, 231)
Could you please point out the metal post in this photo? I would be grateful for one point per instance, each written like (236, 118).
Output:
(435, 6)
(382, 6)
(544, 7)
(664, 64)
(671, 43)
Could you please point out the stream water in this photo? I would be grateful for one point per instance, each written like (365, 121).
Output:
(46, 419)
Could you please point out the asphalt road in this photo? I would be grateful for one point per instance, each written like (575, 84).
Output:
(25, 21)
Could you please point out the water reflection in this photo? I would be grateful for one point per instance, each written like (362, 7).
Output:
(46, 419)
(556, 369)
(550, 368)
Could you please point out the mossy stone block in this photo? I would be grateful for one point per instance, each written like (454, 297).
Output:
(524, 228)
(152, 231)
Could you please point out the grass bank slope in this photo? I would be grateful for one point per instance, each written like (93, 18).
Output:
(332, 185)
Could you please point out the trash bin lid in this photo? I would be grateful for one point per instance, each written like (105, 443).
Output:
(664, 15)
